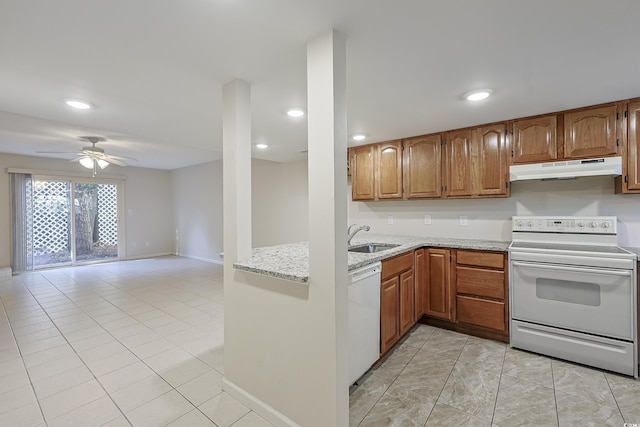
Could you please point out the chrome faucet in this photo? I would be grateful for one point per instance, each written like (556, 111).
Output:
(350, 233)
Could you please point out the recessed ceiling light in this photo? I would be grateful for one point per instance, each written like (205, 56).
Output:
(261, 146)
(295, 112)
(80, 105)
(359, 137)
(477, 95)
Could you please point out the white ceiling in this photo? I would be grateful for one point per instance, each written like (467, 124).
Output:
(154, 68)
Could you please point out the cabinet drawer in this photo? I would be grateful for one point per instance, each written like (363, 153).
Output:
(478, 281)
(396, 265)
(481, 259)
(475, 311)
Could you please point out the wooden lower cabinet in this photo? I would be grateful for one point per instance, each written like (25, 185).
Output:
(407, 304)
(397, 299)
(420, 282)
(465, 290)
(481, 292)
(389, 313)
(481, 312)
(438, 296)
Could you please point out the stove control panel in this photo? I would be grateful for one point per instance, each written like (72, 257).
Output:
(565, 224)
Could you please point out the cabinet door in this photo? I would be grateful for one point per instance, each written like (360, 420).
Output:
(362, 174)
(458, 164)
(422, 167)
(407, 301)
(420, 282)
(389, 313)
(535, 140)
(490, 160)
(438, 273)
(591, 132)
(633, 157)
(389, 170)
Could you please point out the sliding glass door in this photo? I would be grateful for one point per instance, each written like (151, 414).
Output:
(65, 222)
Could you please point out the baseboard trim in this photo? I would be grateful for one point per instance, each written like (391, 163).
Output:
(199, 258)
(146, 256)
(265, 411)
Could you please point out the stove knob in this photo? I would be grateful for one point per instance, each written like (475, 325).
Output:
(519, 224)
(580, 224)
(530, 224)
(593, 224)
(604, 225)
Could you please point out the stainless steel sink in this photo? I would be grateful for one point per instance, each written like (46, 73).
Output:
(370, 248)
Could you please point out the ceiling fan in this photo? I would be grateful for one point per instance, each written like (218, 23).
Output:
(92, 157)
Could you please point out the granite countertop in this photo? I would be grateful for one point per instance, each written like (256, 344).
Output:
(291, 261)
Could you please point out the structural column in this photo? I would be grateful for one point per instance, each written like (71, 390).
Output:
(326, 92)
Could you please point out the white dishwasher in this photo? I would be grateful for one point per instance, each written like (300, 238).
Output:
(364, 319)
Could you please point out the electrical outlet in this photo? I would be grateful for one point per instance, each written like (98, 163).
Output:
(390, 220)
(427, 219)
(463, 220)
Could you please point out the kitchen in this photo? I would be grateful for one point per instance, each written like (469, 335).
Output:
(542, 193)
(272, 218)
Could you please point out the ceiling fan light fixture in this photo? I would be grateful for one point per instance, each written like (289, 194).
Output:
(78, 104)
(102, 163)
(359, 137)
(87, 162)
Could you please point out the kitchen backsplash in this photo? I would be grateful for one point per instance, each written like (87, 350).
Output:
(491, 218)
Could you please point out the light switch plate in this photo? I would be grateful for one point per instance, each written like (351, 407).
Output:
(463, 220)
(427, 219)
(390, 220)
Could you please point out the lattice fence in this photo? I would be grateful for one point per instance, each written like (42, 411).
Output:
(108, 214)
(51, 228)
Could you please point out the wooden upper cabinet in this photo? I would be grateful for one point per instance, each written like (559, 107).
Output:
(362, 173)
(591, 132)
(422, 160)
(632, 175)
(491, 161)
(535, 140)
(389, 170)
(458, 175)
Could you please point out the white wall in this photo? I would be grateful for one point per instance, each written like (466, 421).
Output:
(147, 193)
(280, 202)
(490, 218)
(197, 211)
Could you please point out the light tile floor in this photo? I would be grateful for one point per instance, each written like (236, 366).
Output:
(436, 377)
(133, 343)
(140, 343)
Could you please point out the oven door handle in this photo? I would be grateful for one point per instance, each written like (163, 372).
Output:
(622, 273)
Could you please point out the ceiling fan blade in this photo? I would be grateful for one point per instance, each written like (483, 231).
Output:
(77, 159)
(115, 162)
(57, 152)
(111, 156)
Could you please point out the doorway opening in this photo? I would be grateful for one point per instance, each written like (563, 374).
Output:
(62, 222)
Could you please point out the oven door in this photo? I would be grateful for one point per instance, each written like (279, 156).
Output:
(592, 300)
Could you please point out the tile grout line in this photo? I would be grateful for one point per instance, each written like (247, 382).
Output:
(22, 358)
(141, 360)
(74, 350)
(495, 403)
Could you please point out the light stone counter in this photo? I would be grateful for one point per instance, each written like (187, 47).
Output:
(291, 261)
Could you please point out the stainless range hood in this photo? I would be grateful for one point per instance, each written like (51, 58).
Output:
(567, 169)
